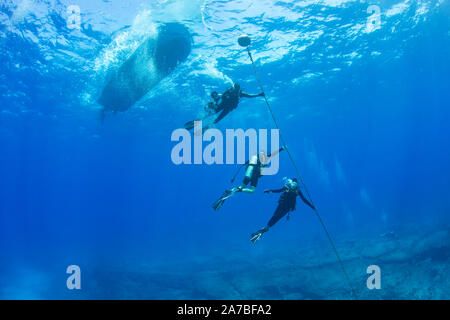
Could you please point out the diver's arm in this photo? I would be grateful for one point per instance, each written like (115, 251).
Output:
(275, 190)
(246, 95)
(270, 155)
(306, 200)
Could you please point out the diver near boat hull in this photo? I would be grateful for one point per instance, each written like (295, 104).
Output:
(224, 103)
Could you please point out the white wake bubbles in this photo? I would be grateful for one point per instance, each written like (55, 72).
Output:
(327, 3)
(398, 8)
(31, 9)
(32, 12)
(210, 69)
(175, 10)
(127, 41)
(279, 44)
(144, 26)
(279, 29)
(228, 20)
(23, 9)
(301, 4)
(422, 8)
(355, 30)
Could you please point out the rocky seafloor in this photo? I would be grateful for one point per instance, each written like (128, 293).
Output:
(414, 264)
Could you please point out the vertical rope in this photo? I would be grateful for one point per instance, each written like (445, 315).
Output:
(301, 180)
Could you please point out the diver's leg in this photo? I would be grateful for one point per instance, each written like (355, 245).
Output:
(245, 182)
(254, 182)
(249, 177)
(258, 234)
(222, 115)
(279, 213)
(251, 189)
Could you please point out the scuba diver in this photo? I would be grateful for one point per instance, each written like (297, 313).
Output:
(286, 204)
(252, 175)
(213, 107)
(224, 103)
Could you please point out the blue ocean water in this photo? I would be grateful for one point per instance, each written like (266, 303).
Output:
(362, 100)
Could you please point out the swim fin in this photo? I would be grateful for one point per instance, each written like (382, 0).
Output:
(190, 125)
(219, 203)
(258, 234)
(200, 131)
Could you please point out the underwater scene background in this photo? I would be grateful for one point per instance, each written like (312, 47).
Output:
(361, 98)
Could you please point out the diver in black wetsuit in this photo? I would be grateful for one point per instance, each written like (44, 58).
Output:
(212, 107)
(230, 100)
(286, 204)
(224, 103)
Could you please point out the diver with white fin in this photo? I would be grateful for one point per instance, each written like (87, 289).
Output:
(224, 103)
(286, 204)
(211, 109)
(252, 175)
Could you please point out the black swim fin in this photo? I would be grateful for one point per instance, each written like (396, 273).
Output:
(258, 234)
(199, 132)
(190, 125)
(219, 203)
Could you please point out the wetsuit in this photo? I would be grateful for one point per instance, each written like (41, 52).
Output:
(286, 203)
(213, 107)
(230, 101)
